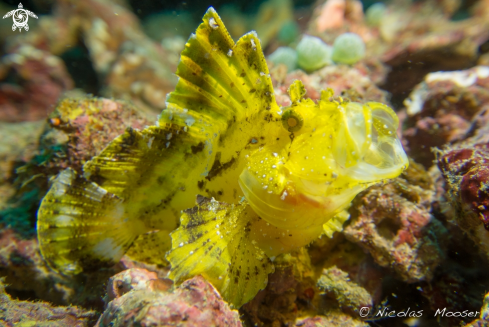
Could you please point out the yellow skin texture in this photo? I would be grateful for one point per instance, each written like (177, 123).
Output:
(278, 176)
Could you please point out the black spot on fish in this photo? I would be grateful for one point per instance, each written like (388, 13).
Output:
(218, 167)
(197, 148)
(200, 184)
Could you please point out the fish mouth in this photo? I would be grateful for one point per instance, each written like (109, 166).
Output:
(294, 208)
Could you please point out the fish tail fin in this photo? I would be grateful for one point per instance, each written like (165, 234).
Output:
(80, 225)
(213, 241)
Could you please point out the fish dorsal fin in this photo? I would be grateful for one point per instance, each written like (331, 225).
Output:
(219, 78)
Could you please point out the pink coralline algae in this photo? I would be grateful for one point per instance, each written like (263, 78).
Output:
(86, 125)
(466, 171)
(393, 223)
(147, 303)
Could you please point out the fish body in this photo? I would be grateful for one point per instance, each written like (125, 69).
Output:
(271, 178)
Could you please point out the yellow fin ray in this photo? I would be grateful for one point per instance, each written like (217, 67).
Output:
(213, 240)
(335, 224)
(126, 192)
(80, 225)
(151, 247)
(213, 63)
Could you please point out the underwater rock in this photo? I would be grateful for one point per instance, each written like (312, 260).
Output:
(40, 78)
(334, 14)
(41, 314)
(353, 83)
(338, 254)
(127, 63)
(420, 39)
(290, 290)
(466, 171)
(25, 271)
(194, 303)
(27, 274)
(393, 223)
(84, 126)
(79, 128)
(131, 65)
(335, 283)
(333, 318)
(458, 287)
(447, 107)
(19, 144)
(134, 279)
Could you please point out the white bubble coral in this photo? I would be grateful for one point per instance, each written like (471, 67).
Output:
(348, 48)
(286, 56)
(313, 53)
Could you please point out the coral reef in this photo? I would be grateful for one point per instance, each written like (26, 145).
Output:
(286, 56)
(25, 313)
(420, 240)
(290, 291)
(393, 222)
(348, 48)
(333, 318)
(466, 171)
(135, 279)
(128, 64)
(444, 108)
(313, 53)
(85, 125)
(27, 275)
(140, 299)
(413, 39)
(40, 78)
(353, 83)
(79, 128)
(350, 297)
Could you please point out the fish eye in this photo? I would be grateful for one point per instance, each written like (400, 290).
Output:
(292, 121)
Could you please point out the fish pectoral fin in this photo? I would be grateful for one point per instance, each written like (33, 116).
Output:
(335, 224)
(81, 226)
(213, 241)
(248, 272)
(151, 247)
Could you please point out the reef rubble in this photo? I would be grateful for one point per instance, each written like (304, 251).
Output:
(421, 239)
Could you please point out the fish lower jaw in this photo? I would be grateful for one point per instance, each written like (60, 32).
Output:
(287, 210)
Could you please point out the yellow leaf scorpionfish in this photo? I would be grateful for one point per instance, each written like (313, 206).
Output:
(268, 180)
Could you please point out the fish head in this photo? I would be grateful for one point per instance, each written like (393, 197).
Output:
(336, 149)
